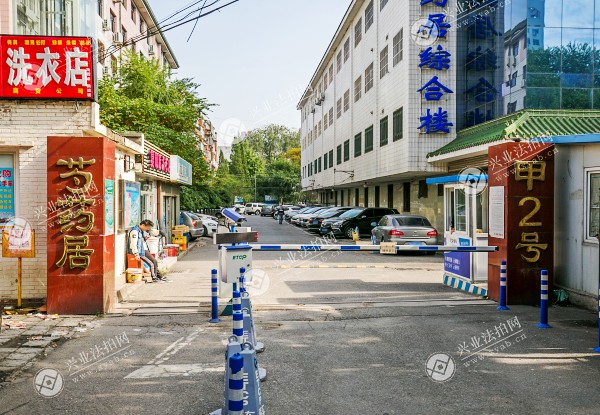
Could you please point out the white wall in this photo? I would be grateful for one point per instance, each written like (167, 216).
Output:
(576, 259)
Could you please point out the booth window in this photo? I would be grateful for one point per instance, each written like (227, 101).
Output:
(593, 205)
(457, 210)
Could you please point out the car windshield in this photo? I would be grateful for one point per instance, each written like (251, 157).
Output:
(329, 213)
(411, 221)
(352, 213)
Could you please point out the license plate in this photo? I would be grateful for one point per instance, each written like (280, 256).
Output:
(415, 243)
(315, 222)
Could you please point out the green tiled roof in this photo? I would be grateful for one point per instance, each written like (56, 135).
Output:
(525, 124)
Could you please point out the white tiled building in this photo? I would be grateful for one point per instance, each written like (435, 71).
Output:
(361, 144)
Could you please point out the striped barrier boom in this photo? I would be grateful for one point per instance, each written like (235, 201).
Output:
(371, 248)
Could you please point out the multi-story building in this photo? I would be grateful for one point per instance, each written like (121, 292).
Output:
(410, 90)
(116, 25)
(207, 142)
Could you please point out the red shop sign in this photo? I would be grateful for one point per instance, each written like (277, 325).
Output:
(46, 67)
(159, 162)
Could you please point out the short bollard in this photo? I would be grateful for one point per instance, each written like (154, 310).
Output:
(214, 308)
(238, 326)
(242, 280)
(544, 301)
(502, 305)
(234, 387)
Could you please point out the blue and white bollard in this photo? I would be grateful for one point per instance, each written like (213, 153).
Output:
(242, 280)
(214, 308)
(502, 305)
(597, 349)
(237, 301)
(235, 399)
(238, 326)
(544, 301)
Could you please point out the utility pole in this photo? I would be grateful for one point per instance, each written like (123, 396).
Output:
(255, 188)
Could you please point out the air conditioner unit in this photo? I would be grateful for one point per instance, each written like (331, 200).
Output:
(322, 96)
(118, 38)
(117, 1)
(105, 71)
(523, 83)
(317, 101)
(105, 27)
(313, 110)
(151, 50)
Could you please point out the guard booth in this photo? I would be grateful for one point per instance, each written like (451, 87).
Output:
(465, 223)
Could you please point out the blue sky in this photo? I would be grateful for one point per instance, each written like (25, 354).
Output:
(254, 58)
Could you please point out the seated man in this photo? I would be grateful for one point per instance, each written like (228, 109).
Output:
(137, 247)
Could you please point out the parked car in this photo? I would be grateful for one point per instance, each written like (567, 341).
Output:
(240, 208)
(293, 210)
(291, 214)
(361, 218)
(210, 224)
(253, 208)
(315, 220)
(194, 223)
(301, 217)
(285, 209)
(406, 230)
(268, 209)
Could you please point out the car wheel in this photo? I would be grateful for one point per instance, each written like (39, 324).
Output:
(205, 230)
(348, 232)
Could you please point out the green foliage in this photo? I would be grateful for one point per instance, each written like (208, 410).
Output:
(272, 141)
(143, 97)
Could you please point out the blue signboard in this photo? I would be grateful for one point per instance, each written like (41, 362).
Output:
(7, 194)
(459, 263)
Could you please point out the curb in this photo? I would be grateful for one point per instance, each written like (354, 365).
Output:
(464, 285)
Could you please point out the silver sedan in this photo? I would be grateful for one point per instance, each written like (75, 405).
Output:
(405, 230)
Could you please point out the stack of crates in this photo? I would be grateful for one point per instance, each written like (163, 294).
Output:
(179, 237)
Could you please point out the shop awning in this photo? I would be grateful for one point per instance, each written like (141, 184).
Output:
(525, 125)
(450, 179)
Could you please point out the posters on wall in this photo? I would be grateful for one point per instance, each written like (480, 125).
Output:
(7, 194)
(109, 207)
(131, 204)
(496, 212)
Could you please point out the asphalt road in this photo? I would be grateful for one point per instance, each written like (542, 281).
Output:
(349, 334)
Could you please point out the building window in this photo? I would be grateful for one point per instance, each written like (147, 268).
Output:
(325, 81)
(331, 73)
(339, 154)
(357, 89)
(369, 78)
(346, 50)
(133, 12)
(113, 64)
(124, 4)
(101, 53)
(339, 108)
(358, 32)
(346, 100)
(383, 131)
(383, 62)
(101, 8)
(330, 116)
(398, 125)
(325, 161)
(369, 139)
(325, 123)
(331, 158)
(423, 189)
(511, 107)
(339, 61)
(382, 4)
(369, 16)
(515, 49)
(357, 144)
(593, 205)
(124, 31)
(113, 22)
(513, 79)
(346, 150)
(398, 41)
(319, 128)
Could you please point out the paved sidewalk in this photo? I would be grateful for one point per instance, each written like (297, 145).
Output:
(24, 338)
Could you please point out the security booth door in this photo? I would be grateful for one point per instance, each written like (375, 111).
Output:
(457, 225)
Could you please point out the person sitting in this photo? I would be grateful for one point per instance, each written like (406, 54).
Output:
(137, 247)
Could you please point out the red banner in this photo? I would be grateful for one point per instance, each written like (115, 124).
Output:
(46, 67)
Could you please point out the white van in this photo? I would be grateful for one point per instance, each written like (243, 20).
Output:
(253, 208)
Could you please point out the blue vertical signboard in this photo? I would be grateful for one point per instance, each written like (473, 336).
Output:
(7, 195)
(435, 58)
(459, 263)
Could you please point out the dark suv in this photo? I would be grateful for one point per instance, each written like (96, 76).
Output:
(362, 218)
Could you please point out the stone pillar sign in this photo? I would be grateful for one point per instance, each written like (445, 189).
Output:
(521, 176)
(80, 253)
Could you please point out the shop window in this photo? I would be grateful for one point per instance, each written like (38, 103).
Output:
(593, 205)
(423, 189)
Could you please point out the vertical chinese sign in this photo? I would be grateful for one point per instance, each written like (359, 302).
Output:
(80, 250)
(525, 171)
(7, 195)
(434, 61)
(46, 67)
